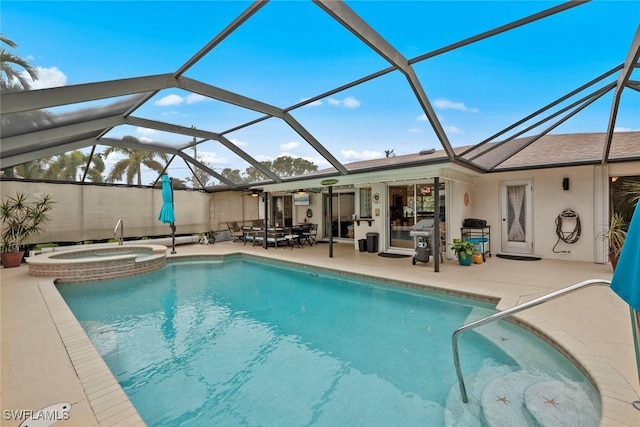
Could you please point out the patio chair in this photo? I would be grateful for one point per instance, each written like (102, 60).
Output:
(235, 231)
(291, 238)
(249, 234)
(309, 234)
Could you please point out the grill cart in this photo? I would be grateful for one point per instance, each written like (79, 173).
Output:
(423, 232)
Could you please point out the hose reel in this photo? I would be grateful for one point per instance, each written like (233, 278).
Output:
(569, 237)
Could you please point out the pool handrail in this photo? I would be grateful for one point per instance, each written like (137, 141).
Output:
(115, 231)
(508, 312)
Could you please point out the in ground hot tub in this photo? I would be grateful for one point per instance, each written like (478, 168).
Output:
(83, 265)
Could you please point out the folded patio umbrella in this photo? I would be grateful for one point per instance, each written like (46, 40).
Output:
(626, 277)
(626, 280)
(167, 214)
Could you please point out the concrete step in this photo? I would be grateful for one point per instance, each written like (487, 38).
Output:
(500, 397)
(502, 400)
(557, 403)
(458, 413)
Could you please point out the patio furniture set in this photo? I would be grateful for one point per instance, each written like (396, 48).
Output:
(297, 235)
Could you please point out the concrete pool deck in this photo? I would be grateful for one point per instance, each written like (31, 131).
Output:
(47, 358)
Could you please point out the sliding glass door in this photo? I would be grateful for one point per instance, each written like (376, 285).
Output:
(409, 204)
(343, 210)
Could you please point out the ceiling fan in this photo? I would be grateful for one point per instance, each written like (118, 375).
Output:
(254, 192)
(302, 191)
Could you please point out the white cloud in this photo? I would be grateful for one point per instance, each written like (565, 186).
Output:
(320, 161)
(262, 158)
(172, 99)
(146, 131)
(145, 139)
(415, 130)
(445, 104)
(193, 98)
(351, 102)
(315, 103)
(289, 145)
(348, 102)
(47, 77)
(361, 155)
(239, 143)
(211, 158)
(451, 128)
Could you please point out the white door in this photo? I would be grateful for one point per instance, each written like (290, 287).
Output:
(517, 233)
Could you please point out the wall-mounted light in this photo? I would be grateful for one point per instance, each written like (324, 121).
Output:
(301, 191)
(614, 178)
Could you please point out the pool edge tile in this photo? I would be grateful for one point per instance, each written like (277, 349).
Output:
(91, 370)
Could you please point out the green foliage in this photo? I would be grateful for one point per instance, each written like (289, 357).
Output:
(202, 178)
(23, 216)
(72, 165)
(284, 166)
(461, 246)
(625, 193)
(233, 175)
(212, 235)
(12, 79)
(615, 234)
(130, 166)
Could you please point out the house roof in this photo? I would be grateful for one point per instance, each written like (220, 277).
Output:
(546, 151)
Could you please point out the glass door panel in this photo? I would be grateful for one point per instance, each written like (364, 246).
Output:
(343, 210)
(402, 200)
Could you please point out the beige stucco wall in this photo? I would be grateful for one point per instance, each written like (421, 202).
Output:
(548, 201)
(232, 206)
(88, 212)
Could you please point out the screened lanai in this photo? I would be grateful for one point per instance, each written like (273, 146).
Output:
(221, 97)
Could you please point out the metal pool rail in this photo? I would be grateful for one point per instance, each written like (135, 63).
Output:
(509, 312)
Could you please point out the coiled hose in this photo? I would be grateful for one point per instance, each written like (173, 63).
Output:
(564, 236)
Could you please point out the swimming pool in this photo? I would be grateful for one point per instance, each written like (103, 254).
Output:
(247, 342)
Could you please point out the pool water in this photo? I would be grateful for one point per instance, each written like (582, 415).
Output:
(100, 254)
(245, 342)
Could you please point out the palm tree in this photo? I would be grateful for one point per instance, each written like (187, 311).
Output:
(131, 165)
(12, 79)
(33, 169)
(66, 167)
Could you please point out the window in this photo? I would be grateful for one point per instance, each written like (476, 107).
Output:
(365, 203)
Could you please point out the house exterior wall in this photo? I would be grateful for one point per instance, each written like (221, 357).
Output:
(549, 199)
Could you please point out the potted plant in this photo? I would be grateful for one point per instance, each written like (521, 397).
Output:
(464, 250)
(213, 235)
(615, 235)
(22, 216)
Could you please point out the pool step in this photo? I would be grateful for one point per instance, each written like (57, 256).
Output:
(516, 345)
(458, 413)
(527, 395)
(521, 398)
(526, 399)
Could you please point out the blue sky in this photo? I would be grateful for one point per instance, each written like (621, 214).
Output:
(292, 50)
